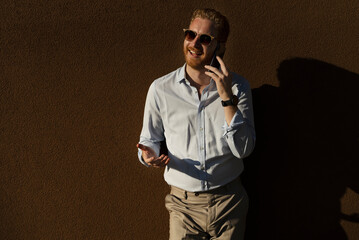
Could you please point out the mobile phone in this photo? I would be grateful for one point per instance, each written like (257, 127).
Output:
(214, 61)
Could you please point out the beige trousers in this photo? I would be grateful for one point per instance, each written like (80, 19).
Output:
(218, 214)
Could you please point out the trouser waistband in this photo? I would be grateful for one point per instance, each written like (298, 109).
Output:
(225, 189)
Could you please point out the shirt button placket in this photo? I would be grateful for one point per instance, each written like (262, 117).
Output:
(202, 144)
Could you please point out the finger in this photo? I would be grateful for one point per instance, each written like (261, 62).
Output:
(167, 161)
(214, 76)
(217, 72)
(157, 163)
(157, 160)
(163, 162)
(223, 66)
(155, 166)
(213, 69)
(160, 160)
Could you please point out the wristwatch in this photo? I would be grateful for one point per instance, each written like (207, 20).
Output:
(231, 102)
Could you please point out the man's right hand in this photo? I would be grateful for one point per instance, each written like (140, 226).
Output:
(150, 157)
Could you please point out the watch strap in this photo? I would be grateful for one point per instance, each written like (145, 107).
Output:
(231, 102)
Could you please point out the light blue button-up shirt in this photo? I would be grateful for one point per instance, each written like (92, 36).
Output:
(205, 151)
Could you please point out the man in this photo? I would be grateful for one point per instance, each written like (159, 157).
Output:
(205, 116)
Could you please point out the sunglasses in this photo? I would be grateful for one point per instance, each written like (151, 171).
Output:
(204, 39)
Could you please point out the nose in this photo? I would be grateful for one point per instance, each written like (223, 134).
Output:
(196, 42)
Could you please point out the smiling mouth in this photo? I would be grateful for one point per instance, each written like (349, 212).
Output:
(194, 53)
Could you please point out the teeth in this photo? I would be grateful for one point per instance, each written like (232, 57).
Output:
(194, 52)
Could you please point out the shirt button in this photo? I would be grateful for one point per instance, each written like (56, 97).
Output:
(201, 129)
(202, 148)
(202, 168)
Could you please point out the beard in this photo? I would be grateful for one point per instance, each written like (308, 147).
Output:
(196, 63)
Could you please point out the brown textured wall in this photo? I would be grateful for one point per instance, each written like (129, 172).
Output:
(74, 75)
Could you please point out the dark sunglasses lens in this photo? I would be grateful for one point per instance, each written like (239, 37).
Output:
(189, 35)
(205, 39)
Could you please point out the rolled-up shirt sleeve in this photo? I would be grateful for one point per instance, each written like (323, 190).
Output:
(152, 129)
(240, 133)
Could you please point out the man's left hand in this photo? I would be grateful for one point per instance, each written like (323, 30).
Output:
(223, 79)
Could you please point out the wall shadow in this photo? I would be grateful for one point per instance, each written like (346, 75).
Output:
(306, 153)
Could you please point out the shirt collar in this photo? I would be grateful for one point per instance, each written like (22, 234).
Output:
(181, 74)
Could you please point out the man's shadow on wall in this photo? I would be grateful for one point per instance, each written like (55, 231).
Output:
(306, 154)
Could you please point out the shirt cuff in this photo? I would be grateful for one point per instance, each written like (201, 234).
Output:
(139, 154)
(155, 147)
(234, 125)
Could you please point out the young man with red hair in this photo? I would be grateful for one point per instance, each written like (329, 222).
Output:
(205, 115)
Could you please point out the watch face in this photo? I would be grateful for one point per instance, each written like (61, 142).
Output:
(226, 103)
(232, 102)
